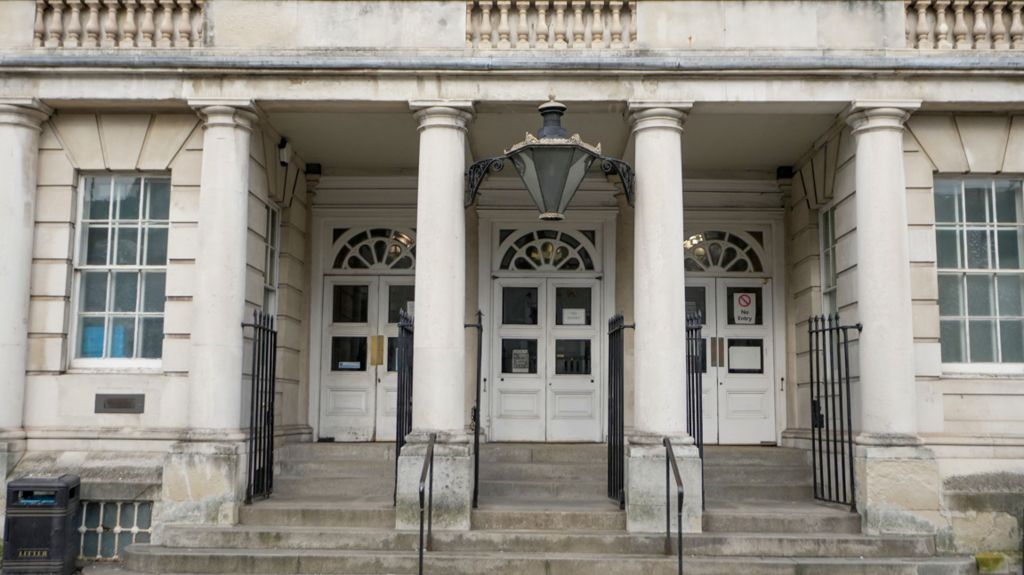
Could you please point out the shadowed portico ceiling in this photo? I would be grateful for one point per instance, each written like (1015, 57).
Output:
(720, 140)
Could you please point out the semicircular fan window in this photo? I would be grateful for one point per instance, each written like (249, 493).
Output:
(547, 250)
(717, 251)
(378, 249)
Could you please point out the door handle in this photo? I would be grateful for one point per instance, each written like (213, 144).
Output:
(721, 352)
(376, 350)
(713, 344)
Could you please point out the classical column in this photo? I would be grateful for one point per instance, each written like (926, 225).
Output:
(218, 304)
(888, 400)
(659, 313)
(20, 126)
(439, 356)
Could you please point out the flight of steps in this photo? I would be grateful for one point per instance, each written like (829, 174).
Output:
(542, 511)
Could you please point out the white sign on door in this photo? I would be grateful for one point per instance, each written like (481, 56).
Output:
(744, 308)
(574, 316)
(520, 361)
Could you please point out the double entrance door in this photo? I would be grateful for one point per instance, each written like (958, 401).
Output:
(359, 378)
(546, 360)
(739, 387)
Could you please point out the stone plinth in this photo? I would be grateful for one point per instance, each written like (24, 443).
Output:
(645, 485)
(898, 488)
(453, 483)
(203, 483)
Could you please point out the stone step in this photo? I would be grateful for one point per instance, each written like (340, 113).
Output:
(746, 521)
(715, 455)
(378, 451)
(544, 471)
(545, 518)
(605, 543)
(335, 468)
(332, 488)
(306, 513)
(595, 453)
(733, 493)
(156, 559)
(551, 489)
(756, 475)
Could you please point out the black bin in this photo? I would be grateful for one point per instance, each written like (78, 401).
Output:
(39, 534)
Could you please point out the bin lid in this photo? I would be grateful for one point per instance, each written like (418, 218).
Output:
(66, 481)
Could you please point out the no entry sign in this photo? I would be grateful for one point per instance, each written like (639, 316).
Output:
(744, 308)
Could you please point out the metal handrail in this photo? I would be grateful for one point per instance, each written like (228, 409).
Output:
(428, 465)
(475, 415)
(670, 464)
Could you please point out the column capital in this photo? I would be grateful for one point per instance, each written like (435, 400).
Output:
(25, 112)
(644, 114)
(865, 115)
(226, 113)
(442, 113)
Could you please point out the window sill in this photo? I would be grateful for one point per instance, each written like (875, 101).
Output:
(143, 367)
(983, 370)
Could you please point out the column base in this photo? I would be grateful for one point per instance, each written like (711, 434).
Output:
(203, 483)
(898, 485)
(12, 448)
(645, 484)
(453, 481)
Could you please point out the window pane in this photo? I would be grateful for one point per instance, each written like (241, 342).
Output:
(1008, 197)
(154, 291)
(127, 246)
(122, 337)
(696, 301)
(159, 197)
(94, 291)
(126, 290)
(519, 306)
(97, 198)
(977, 194)
(978, 249)
(518, 356)
(983, 341)
(951, 298)
(348, 354)
(90, 337)
(152, 338)
(96, 241)
(948, 246)
(572, 306)
(399, 298)
(952, 341)
(947, 200)
(979, 295)
(126, 190)
(1009, 249)
(1011, 333)
(351, 304)
(572, 356)
(156, 246)
(1010, 298)
(392, 363)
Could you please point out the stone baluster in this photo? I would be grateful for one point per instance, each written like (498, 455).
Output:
(560, 30)
(1016, 25)
(92, 25)
(941, 26)
(579, 29)
(504, 30)
(597, 24)
(73, 33)
(470, 4)
(166, 38)
(56, 34)
(922, 30)
(999, 39)
(201, 30)
(185, 25)
(523, 25)
(632, 24)
(110, 24)
(616, 26)
(908, 29)
(980, 30)
(960, 25)
(39, 29)
(542, 25)
(148, 29)
(131, 29)
(485, 25)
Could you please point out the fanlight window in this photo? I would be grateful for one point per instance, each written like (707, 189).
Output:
(547, 250)
(377, 249)
(717, 251)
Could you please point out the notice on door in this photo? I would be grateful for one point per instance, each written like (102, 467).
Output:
(520, 361)
(574, 316)
(744, 308)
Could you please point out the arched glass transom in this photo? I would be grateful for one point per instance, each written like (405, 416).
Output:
(375, 249)
(719, 251)
(547, 250)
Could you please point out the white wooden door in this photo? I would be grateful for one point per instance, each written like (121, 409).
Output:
(396, 294)
(518, 397)
(573, 361)
(702, 297)
(746, 390)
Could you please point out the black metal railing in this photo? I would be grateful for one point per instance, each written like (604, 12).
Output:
(426, 491)
(261, 407)
(695, 354)
(475, 415)
(403, 415)
(616, 418)
(831, 409)
(672, 472)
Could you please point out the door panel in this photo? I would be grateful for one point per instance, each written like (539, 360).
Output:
(701, 296)
(573, 350)
(518, 405)
(396, 294)
(348, 385)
